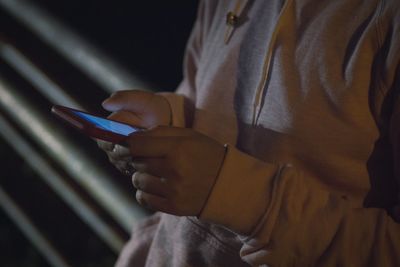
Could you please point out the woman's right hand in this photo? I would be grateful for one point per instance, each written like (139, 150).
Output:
(138, 108)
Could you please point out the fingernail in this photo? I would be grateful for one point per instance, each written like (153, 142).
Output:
(104, 103)
(139, 198)
(135, 181)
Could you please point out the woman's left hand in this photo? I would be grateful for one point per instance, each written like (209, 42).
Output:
(176, 168)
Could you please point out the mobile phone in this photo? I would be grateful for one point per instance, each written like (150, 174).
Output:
(95, 126)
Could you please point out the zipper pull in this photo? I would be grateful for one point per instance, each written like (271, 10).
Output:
(231, 21)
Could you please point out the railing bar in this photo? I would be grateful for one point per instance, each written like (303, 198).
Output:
(79, 166)
(35, 76)
(30, 231)
(99, 67)
(64, 190)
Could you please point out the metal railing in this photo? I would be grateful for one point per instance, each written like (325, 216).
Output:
(57, 183)
(60, 147)
(79, 165)
(85, 56)
(33, 234)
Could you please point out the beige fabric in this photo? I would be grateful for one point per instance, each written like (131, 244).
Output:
(304, 92)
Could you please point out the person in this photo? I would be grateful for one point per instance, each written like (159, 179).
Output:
(280, 146)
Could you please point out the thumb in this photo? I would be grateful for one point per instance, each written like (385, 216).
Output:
(128, 118)
(129, 100)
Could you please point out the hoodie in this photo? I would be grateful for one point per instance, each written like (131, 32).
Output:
(305, 94)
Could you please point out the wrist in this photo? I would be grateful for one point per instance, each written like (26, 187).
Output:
(236, 201)
(176, 104)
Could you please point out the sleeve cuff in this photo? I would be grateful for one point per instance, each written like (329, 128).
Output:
(177, 104)
(242, 192)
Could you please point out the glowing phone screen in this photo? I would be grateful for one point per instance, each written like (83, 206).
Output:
(108, 125)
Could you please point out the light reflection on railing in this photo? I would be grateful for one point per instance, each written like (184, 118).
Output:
(62, 188)
(86, 57)
(111, 77)
(78, 165)
(30, 231)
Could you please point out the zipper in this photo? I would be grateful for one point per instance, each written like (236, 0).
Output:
(233, 19)
(260, 93)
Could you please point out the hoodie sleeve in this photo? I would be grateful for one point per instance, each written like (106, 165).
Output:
(182, 101)
(284, 220)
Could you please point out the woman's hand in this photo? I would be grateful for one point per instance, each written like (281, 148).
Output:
(138, 108)
(176, 168)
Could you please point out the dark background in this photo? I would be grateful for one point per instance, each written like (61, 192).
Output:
(148, 39)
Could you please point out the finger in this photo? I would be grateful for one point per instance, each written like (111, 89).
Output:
(150, 184)
(166, 131)
(156, 142)
(130, 100)
(119, 159)
(106, 146)
(153, 202)
(127, 117)
(124, 167)
(151, 147)
(120, 152)
(159, 167)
